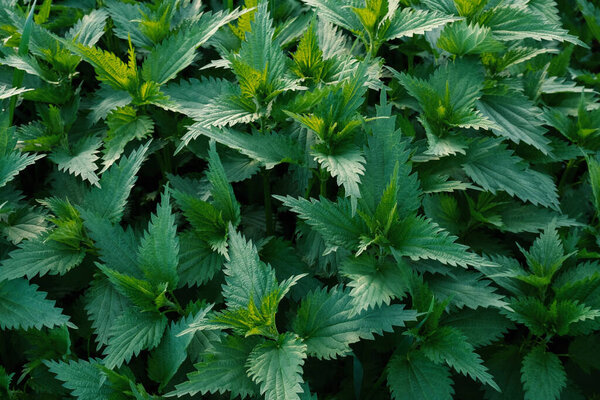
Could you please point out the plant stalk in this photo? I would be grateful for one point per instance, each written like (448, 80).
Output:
(269, 223)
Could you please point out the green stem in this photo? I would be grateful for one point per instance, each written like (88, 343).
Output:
(269, 225)
(567, 175)
(323, 187)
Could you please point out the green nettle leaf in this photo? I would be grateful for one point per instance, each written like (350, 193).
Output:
(178, 51)
(543, 375)
(328, 324)
(82, 378)
(159, 248)
(104, 304)
(89, 29)
(23, 306)
(494, 167)
(277, 367)
(420, 238)
(346, 165)
(334, 221)
(222, 369)
(108, 201)
(269, 149)
(13, 163)
(374, 282)
(221, 191)
(451, 346)
(79, 161)
(594, 171)
(512, 22)
(515, 118)
(40, 257)
(247, 278)
(167, 358)
(124, 125)
(461, 38)
(415, 377)
(132, 332)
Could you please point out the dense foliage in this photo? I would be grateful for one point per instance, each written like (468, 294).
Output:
(333, 199)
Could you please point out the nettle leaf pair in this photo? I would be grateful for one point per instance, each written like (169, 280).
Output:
(255, 357)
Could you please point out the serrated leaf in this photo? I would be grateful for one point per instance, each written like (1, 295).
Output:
(89, 29)
(132, 332)
(166, 359)
(417, 378)
(39, 257)
(494, 167)
(385, 152)
(451, 346)
(159, 248)
(222, 369)
(408, 22)
(82, 378)
(23, 306)
(80, 160)
(124, 126)
(462, 38)
(221, 191)
(420, 238)
(480, 326)
(327, 323)
(517, 23)
(277, 367)
(333, 221)
(516, 118)
(269, 149)
(466, 288)
(13, 163)
(104, 304)
(543, 375)
(108, 200)
(346, 164)
(373, 282)
(7, 92)
(247, 278)
(118, 248)
(177, 51)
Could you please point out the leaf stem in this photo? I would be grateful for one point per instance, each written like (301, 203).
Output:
(323, 186)
(269, 225)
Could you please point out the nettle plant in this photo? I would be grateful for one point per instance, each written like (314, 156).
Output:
(299, 199)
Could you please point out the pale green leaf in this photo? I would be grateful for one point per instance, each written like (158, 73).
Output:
(277, 367)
